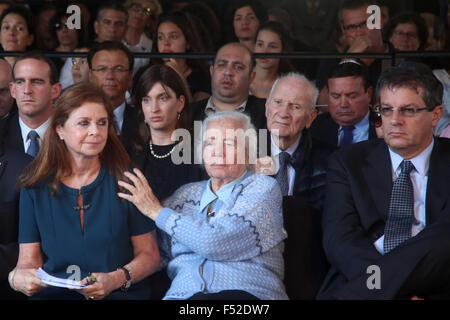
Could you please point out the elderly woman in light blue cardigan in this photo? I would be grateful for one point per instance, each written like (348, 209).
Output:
(223, 237)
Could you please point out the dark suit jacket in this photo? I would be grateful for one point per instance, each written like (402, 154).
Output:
(12, 136)
(359, 187)
(12, 162)
(309, 161)
(325, 129)
(129, 127)
(255, 108)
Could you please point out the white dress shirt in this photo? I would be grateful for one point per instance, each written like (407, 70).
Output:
(24, 129)
(275, 152)
(419, 179)
(118, 116)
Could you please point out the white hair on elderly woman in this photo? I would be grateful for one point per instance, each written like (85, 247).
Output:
(246, 131)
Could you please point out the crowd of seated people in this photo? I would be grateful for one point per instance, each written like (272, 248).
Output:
(151, 147)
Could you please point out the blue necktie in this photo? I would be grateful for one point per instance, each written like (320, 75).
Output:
(282, 175)
(347, 139)
(33, 148)
(401, 209)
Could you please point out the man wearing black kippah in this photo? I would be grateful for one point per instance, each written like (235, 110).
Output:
(349, 98)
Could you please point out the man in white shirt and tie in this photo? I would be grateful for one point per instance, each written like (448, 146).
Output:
(299, 158)
(349, 98)
(111, 69)
(35, 86)
(387, 212)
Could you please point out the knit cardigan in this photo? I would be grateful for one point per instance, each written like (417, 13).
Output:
(239, 248)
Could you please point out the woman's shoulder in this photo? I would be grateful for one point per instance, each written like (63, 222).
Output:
(260, 180)
(258, 186)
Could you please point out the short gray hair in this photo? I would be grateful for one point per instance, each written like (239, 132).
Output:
(247, 126)
(314, 92)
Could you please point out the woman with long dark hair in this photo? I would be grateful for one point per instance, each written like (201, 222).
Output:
(71, 219)
(271, 38)
(162, 99)
(177, 32)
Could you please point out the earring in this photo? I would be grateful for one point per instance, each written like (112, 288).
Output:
(179, 115)
(61, 138)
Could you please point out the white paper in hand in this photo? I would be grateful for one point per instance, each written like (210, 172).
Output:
(58, 282)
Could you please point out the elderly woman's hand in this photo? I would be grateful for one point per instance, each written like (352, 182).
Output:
(141, 194)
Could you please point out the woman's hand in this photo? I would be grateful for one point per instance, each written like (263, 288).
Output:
(25, 281)
(101, 287)
(141, 194)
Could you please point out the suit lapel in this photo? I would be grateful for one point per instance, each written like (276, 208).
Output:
(378, 174)
(438, 182)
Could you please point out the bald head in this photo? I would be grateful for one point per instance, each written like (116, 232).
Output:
(238, 48)
(231, 76)
(6, 101)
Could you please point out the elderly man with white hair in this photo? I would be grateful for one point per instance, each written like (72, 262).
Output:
(300, 160)
(223, 237)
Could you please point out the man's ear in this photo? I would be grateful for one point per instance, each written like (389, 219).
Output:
(211, 70)
(312, 116)
(437, 113)
(252, 76)
(12, 89)
(56, 90)
(370, 93)
(96, 27)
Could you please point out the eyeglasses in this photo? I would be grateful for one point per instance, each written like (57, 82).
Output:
(387, 111)
(354, 27)
(79, 60)
(402, 34)
(59, 26)
(136, 7)
(114, 70)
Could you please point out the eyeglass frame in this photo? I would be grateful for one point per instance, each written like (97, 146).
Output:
(114, 70)
(354, 27)
(408, 35)
(403, 111)
(136, 7)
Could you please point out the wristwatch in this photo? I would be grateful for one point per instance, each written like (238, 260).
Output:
(127, 283)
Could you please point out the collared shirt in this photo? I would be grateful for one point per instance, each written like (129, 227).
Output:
(360, 133)
(118, 116)
(209, 197)
(419, 179)
(24, 129)
(210, 108)
(275, 152)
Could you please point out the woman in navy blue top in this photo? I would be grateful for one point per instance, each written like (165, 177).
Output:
(72, 222)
